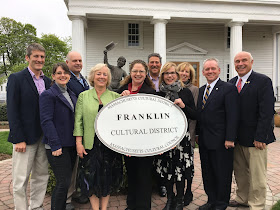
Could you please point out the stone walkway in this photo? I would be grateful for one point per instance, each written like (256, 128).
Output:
(119, 202)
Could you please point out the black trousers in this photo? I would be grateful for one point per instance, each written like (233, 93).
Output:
(139, 172)
(62, 167)
(217, 166)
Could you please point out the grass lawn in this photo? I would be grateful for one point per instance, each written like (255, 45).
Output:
(276, 206)
(5, 146)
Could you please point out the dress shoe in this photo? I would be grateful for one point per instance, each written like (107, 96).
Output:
(179, 203)
(81, 199)
(169, 204)
(206, 206)
(234, 203)
(162, 191)
(188, 198)
(69, 206)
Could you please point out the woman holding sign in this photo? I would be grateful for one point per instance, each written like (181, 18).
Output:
(139, 169)
(176, 165)
(100, 168)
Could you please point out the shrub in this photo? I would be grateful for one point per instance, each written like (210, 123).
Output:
(3, 112)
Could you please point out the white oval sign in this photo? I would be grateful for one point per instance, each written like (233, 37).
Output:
(141, 125)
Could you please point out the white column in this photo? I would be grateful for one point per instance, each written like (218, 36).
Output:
(235, 43)
(276, 61)
(160, 37)
(78, 38)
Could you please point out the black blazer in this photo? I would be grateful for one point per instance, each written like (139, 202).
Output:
(186, 95)
(75, 86)
(23, 108)
(144, 89)
(57, 118)
(256, 110)
(218, 121)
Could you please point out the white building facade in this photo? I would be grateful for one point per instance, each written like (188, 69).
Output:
(180, 30)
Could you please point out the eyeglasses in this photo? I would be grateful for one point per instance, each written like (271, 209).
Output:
(136, 71)
(60, 73)
(169, 73)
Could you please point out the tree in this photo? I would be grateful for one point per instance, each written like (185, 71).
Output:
(56, 51)
(14, 38)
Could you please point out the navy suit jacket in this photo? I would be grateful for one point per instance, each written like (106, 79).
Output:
(256, 110)
(57, 118)
(23, 108)
(218, 121)
(75, 86)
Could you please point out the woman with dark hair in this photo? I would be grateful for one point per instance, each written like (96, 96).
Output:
(176, 165)
(57, 106)
(139, 169)
(187, 75)
(101, 169)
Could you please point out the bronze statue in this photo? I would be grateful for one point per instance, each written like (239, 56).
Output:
(118, 74)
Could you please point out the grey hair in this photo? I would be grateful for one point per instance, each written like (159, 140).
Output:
(154, 55)
(211, 59)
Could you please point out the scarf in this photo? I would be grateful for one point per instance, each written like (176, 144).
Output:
(171, 91)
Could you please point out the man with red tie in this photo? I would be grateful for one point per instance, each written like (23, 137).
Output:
(255, 131)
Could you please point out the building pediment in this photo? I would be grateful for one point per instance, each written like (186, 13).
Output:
(186, 48)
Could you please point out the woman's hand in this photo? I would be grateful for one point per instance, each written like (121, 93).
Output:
(125, 93)
(57, 152)
(179, 102)
(80, 147)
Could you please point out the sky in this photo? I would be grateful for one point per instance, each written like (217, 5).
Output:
(48, 16)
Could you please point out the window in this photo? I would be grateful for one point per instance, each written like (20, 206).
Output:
(228, 72)
(133, 35)
(228, 37)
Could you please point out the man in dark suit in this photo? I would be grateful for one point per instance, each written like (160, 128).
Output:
(76, 84)
(255, 131)
(217, 127)
(29, 153)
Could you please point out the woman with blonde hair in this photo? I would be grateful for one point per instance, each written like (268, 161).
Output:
(187, 75)
(176, 165)
(100, 168)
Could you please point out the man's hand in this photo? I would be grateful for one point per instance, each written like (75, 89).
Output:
(229, 144)
(20, 147)
(259, 145)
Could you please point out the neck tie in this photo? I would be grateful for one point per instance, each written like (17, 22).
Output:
(205, 96)
(239, 85)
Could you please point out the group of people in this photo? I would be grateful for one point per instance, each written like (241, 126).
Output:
(53, 122)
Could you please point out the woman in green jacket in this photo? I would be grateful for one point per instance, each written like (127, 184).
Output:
(100, 167)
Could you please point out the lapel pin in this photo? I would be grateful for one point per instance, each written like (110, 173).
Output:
(248, 82)
(217, 88)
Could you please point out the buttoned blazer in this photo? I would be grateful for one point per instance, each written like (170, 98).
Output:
(218, 121)
(75, 86)
(57, 118)
(23, 108)
(256, 110)
(86, 112)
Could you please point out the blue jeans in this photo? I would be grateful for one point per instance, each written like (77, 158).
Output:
(62, 167)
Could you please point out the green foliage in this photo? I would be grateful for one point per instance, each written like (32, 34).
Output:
(3, 112)
(276, 206)
(14, 38)
(56, 51)
(52, 181)
(5, 146)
